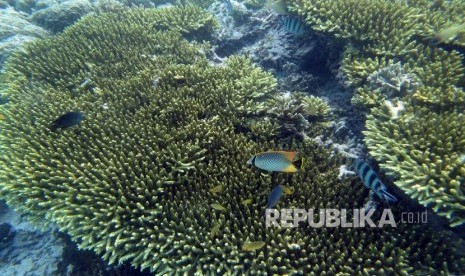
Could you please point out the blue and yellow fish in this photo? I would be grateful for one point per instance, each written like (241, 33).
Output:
(372, 181)
(274, 196)
(276, 161)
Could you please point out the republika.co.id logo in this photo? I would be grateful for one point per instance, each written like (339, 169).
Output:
(359, 218)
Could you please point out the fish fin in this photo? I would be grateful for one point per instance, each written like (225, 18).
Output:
(290, 169)
(299, 163)
(388, 197)
(289, 155)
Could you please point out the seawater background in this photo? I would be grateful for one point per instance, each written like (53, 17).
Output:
(301, 63)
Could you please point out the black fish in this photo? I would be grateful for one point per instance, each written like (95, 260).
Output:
(67, 120)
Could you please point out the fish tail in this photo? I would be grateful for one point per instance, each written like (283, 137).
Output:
(289, 155)
(388, 197)
(299, 163)
(294, 166)
(53, 127)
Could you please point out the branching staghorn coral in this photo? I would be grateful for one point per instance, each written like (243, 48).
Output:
(190, 18)
(388, 34)
(298, 113)
(385, 31)
(428, 148)
(162, 127)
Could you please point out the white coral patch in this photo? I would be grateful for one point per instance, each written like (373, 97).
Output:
(343, 171)
(394, 110)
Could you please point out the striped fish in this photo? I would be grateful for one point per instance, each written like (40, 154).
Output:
(293, 25)
(229, 6)
(372, 181)
(276, 161)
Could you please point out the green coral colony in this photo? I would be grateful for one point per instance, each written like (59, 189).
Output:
(163, 127)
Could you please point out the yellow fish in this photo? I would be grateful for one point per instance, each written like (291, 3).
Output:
(2, 117)
(218, 207)
(216, 189)
(448, 34)
(246, 202)
(277, 6)
(252, 246)
(287, 190)
(215, 230)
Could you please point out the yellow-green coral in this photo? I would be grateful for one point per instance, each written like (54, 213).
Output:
(387, 30)
(433, 22)
(410, 84)
(186, 20)
(297, 113)
(161, 128)
(424, 150)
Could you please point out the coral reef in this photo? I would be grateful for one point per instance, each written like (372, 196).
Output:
(190, 20)
(162, 127)
(428, 148)
(393, 81)
(412, 88)
(297, 114)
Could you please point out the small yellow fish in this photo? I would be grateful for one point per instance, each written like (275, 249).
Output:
(448, 34)
(2, 117)
(216, 189)
(218, 207)
(246, 202)
(287, 190)
(252, 246)
(215, 230)
(277, 6)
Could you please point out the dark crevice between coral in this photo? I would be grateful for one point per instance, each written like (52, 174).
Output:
(323, 61)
